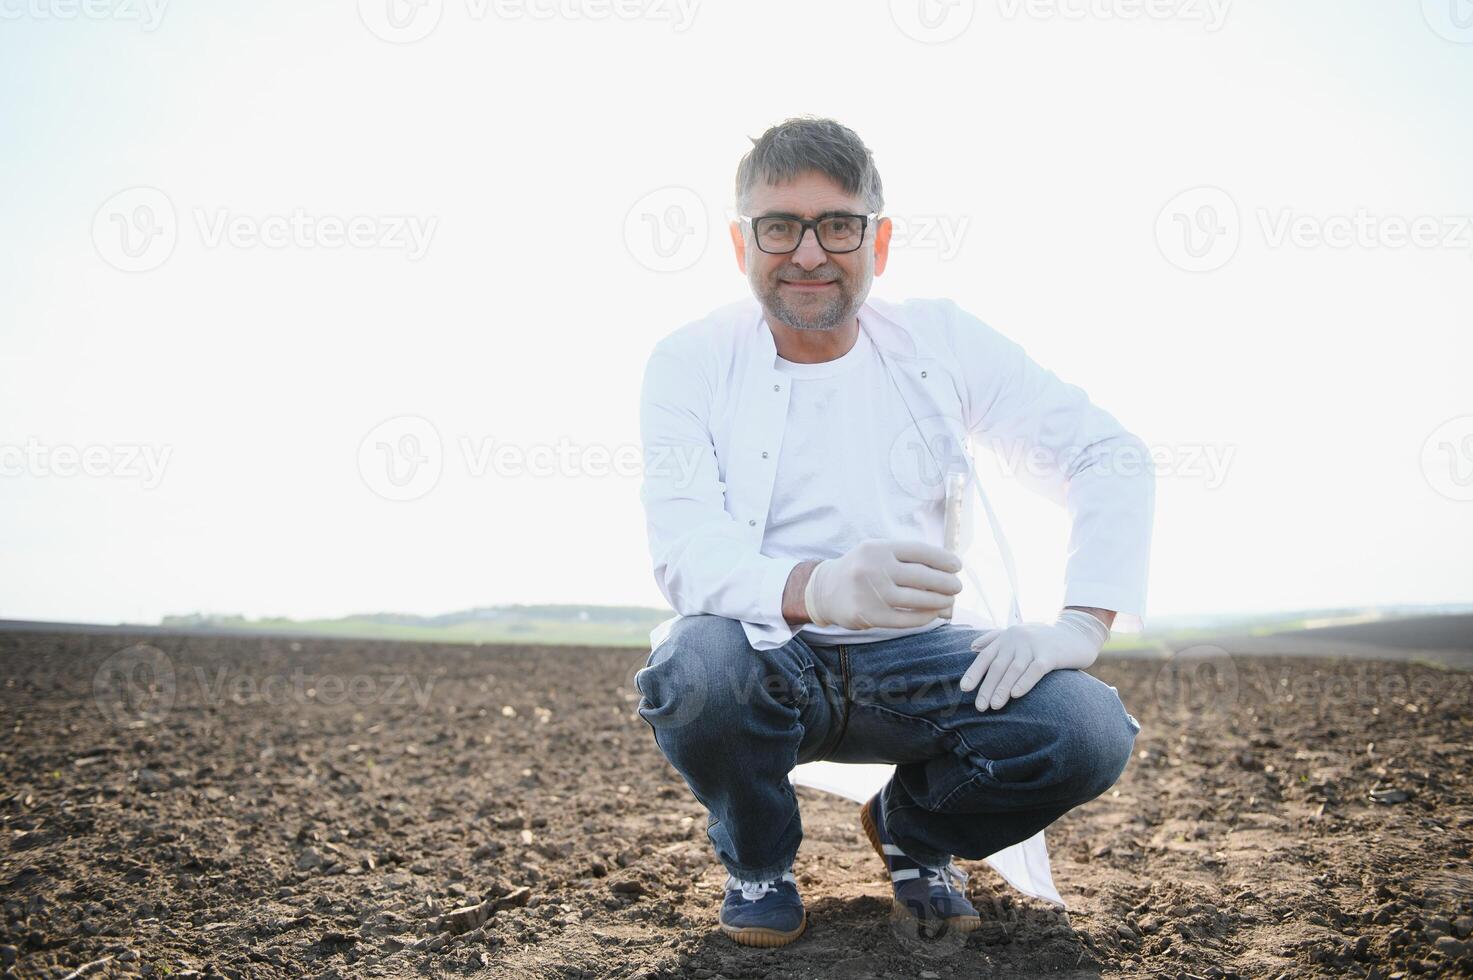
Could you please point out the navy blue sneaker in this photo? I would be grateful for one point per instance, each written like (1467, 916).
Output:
(765, 913)
(934, 898)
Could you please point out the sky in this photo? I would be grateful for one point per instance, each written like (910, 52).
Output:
(260, 258)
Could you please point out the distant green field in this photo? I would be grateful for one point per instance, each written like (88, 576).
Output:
(555, 625)
(525, 631)
(630, 626)
(1175, 638)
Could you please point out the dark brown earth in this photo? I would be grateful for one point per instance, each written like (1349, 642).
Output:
(263, 807)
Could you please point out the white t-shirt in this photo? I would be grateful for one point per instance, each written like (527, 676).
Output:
(844, 417)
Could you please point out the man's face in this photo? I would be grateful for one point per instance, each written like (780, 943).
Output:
(810, 289)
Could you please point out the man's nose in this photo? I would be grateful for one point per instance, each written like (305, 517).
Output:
(808, 254)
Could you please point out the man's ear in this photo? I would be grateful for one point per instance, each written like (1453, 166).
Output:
(740, 244)
(884, 228)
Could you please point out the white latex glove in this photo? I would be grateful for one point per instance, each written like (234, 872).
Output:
(1012, 660)
(884, 582)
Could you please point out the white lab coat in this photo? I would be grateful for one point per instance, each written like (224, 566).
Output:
(713, 408)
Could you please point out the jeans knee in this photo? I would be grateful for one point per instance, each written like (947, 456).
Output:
(1096, 747)
(685, 688)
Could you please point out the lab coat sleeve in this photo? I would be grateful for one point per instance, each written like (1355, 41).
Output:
(1057, 443)
(704, 561)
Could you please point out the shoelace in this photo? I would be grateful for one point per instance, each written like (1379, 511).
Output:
(754, 890)
(953, 877)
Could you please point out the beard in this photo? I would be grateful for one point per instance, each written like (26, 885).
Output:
(825, 310)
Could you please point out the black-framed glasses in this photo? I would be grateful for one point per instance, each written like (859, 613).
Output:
(837, 232)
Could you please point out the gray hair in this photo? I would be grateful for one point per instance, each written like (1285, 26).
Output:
(802, 144)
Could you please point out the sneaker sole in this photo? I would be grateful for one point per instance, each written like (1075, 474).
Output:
(961, 923)
(765, 938)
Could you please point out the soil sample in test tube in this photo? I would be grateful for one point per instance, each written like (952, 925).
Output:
(956, 496)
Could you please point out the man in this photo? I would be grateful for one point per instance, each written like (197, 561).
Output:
(807, 569)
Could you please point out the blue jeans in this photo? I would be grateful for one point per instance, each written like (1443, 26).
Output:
(734, 721)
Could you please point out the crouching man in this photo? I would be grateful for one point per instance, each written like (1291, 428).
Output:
(807, 569)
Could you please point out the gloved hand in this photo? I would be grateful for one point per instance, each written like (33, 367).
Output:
(1012, 660)
(883, 582)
